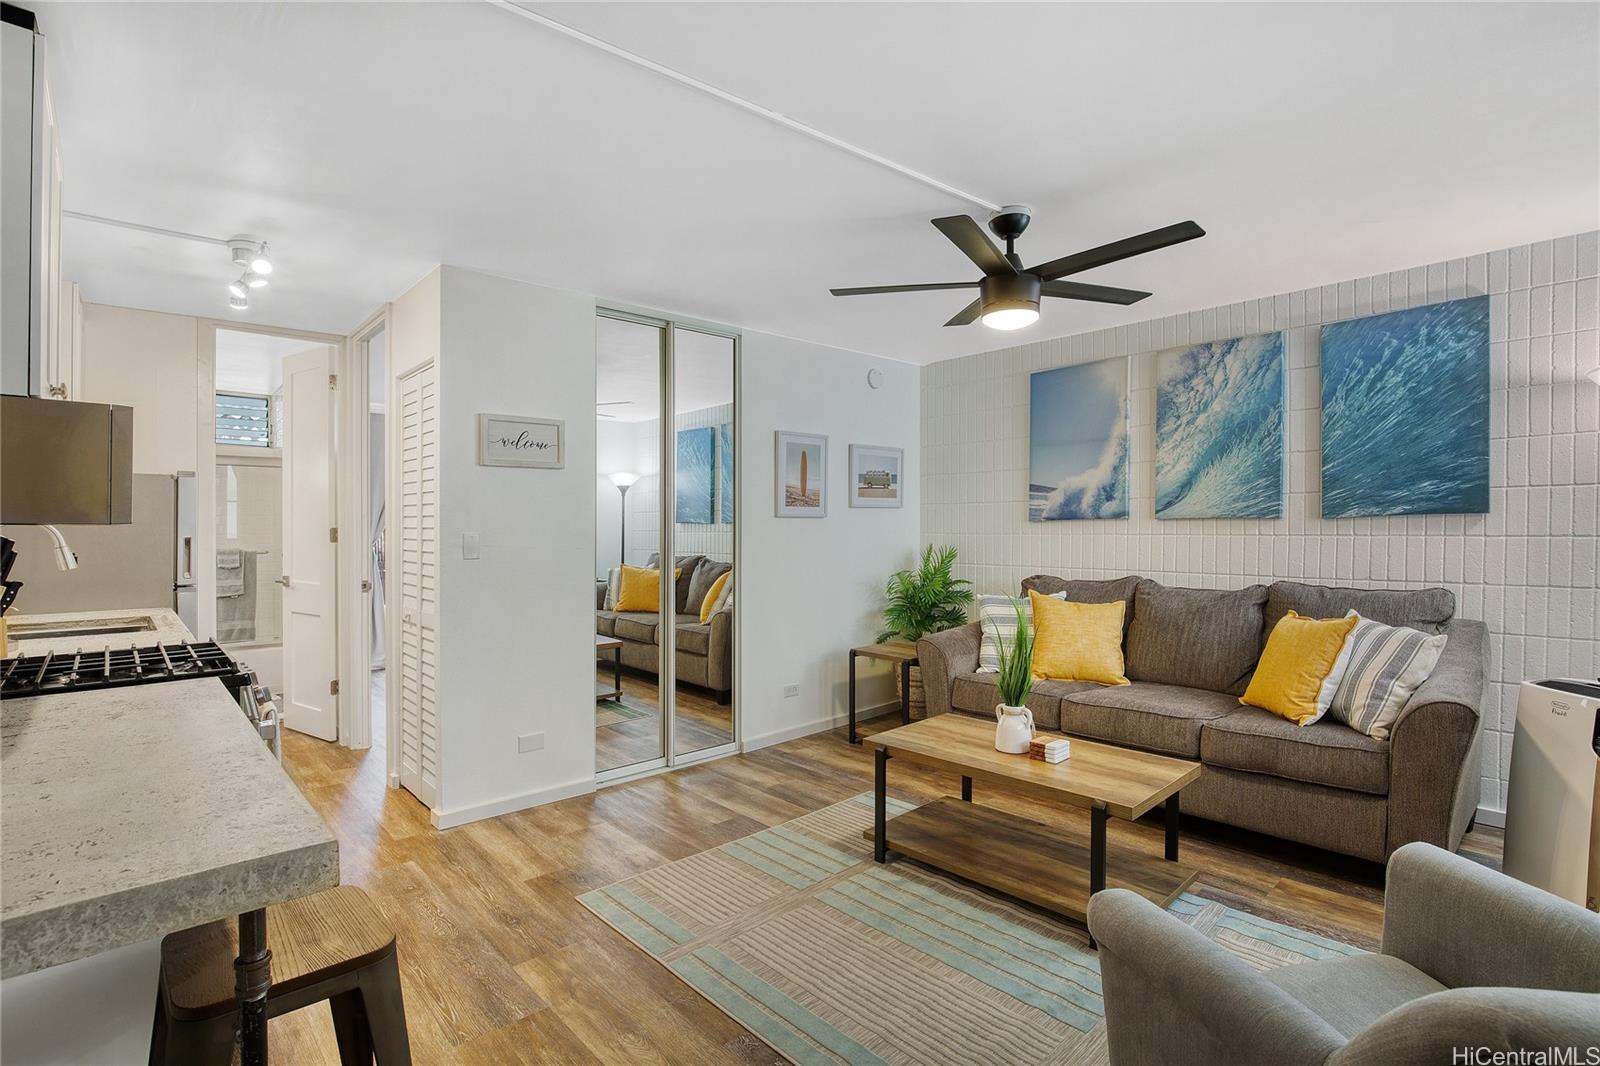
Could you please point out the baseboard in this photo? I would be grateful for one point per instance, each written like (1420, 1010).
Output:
(817, 725)
(1492, 817)
(520, 802)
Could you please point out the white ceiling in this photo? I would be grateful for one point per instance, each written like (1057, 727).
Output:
(253, 362)
(371, 141)
(628, 370)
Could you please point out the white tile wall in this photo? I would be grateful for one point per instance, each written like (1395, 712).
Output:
(1528, 568)
(644, 501)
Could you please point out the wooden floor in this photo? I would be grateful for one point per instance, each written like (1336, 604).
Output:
(702, 722)
(500, 964)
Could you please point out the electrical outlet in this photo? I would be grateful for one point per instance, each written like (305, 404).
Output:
(790, 691)
(530, 742)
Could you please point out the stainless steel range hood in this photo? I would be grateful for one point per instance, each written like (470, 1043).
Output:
(66, 463)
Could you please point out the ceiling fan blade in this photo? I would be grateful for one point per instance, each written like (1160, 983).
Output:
(868, 290)
(1126, 248)
(967, 315)
(1100, 294)
(967, 235)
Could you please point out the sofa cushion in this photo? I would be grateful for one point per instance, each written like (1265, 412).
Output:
(637, 626)
(976, 694)
(605, 623)
(1107, 591)
(1353, 992)
(1196, 638)
(686, 565)
(1424, 609)
(694, 638)
(1326, 753)
(1160, 718)
(705, 576)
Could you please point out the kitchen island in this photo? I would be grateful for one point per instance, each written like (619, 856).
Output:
(125, 814)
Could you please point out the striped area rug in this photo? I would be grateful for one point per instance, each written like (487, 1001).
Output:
(799, 936)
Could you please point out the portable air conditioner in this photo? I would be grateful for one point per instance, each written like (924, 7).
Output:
(1552, 813)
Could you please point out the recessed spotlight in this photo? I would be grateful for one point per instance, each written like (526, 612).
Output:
(237, 289)
(254, 279)
(239, 303)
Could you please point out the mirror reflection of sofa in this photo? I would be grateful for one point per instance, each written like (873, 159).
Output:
(704, 649)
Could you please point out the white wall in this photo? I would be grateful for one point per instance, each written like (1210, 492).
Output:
(1528, 568)
(516, 625)
(149, 361)
(808, 589)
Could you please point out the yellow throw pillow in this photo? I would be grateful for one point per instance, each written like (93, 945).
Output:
(640, 589)
(1077, 641)
(1301, 655)
(709, 604)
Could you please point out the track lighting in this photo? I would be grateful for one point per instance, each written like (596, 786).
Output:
(251, 255)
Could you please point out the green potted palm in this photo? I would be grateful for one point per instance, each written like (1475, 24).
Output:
(1014, 721)
(926, 600)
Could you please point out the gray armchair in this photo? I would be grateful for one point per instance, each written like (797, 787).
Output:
(1470, 958)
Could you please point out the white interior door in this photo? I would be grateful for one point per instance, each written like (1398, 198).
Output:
(414, 577)
(310, 633)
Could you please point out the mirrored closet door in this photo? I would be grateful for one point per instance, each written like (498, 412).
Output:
(665, 645)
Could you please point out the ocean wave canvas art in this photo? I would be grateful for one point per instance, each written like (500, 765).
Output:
(1219, 429)
(1405, 412)
(1078, 442)
(692, 478)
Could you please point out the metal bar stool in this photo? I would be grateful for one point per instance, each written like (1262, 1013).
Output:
(332, 946)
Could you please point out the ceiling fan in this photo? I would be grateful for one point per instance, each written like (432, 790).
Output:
(610, 403)
(1008, 293)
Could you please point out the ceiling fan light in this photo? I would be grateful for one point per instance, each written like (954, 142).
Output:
(1009, 318)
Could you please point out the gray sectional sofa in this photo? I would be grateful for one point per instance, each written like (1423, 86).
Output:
(705, 649)
(1190, 653)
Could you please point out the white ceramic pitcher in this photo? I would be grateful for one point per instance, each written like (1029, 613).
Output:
(1014, 730)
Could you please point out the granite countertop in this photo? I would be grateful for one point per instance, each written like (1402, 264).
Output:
(168, 628)
(128, 813)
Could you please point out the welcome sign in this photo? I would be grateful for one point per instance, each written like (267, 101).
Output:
(510, 440)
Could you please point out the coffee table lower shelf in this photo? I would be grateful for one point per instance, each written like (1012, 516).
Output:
(1040, 864)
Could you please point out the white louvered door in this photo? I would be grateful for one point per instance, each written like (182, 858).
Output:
(418, 583)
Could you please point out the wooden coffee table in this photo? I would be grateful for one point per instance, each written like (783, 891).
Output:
(1042, 864)
(603, 643)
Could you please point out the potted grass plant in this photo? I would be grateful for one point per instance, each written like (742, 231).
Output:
(926, 600)
(1014, 721)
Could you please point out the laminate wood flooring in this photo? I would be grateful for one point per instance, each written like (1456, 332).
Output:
(501, 965)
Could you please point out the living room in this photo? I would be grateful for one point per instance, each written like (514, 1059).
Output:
(1134, 589)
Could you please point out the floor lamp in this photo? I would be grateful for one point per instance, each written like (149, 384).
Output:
(623, 482)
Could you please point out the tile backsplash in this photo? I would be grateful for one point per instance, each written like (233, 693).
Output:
(1527, 568)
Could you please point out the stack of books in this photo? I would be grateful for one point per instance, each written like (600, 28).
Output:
(1050, 749)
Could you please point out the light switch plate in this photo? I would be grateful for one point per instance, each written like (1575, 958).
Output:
(530, 742)
(469, 546)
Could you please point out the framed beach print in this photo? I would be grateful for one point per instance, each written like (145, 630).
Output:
(511, 440)
(876, 475)
(801, 482)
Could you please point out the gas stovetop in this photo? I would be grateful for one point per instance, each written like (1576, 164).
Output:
(82, 671)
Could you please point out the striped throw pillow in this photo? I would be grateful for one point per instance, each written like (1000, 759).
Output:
(999, 613)
(1384, 666)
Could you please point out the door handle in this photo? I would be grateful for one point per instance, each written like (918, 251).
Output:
(284, 581)
(188, 557)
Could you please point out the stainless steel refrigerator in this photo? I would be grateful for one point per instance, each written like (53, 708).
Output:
(149, 562)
